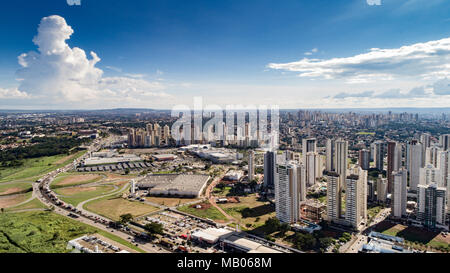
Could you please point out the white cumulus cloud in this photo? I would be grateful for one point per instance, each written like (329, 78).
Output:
(373, 2)
(13, 93)
(63, 74)
(426, 60)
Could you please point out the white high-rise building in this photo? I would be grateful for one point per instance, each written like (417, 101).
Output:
(445, 174)
(308, 145)
(443, 165)
(288, 195)
(166, 133)
(378, 149)
(399, 193)
(382, 184)
(425, 140)
(149, 128)
(333, 196)
(430, 175)
(301, 173)
(356, 198)
(414, 163)
(431, 155)
(330, 156)
(251, 165)
(444, 141)
(342, 159)
(312, 168)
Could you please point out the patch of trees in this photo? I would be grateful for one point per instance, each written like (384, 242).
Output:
(45, 146)
(259, 170)
(154, 228)
(125, 218)
(317, 195)
(115, 131)
(315, 241)
(375, 172)
(273, 224)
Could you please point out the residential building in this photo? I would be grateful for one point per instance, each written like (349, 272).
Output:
(381, 189)
(251, 165)
(334, 198)
(356, 198)
(431, 206)
(269, 169)
(364, 159)
(378, 150)
(414, 163)
(330, 155)
(342, 159)
(287, 191)
(394, 162)
(399, 193)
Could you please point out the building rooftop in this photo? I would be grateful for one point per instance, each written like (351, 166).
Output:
(249, 245)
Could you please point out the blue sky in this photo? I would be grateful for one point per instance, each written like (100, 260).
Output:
(232, 51)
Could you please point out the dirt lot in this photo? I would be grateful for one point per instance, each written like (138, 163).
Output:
(75, 179)
(11, 190)
(75, 190)
(112, 177)
(170, 202)
(12, 200)
(121, 183)
(115, 206)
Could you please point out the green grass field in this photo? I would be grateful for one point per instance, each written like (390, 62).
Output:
(414, 235)
(43, 232)
(113, 206)
(222, 192)
(33, 204)
(372, 212)
(209, 213)
(259, 211)
(34, 168)
(71, 196)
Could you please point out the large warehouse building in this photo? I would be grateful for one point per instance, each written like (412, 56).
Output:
(231, 240)
(180, 185)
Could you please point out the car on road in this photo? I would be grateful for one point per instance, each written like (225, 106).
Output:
(73, 215)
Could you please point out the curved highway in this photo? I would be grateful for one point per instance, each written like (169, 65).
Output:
(42, 192)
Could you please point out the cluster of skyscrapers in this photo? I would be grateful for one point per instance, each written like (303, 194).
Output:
(246, 136)
(413, 175)
(153, 136)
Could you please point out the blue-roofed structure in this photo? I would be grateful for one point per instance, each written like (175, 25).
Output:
(383, 243)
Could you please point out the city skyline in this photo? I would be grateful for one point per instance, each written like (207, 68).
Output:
(294, 54)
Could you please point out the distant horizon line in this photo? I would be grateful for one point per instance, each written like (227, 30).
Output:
(281, 109)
